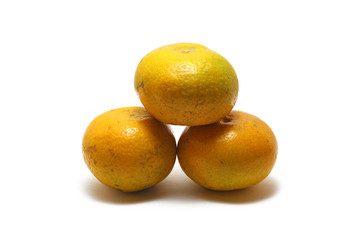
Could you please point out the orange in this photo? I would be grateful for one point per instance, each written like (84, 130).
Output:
(237, 152)
(128, 149)
(186, 84)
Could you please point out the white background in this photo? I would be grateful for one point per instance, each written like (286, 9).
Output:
(62, 63)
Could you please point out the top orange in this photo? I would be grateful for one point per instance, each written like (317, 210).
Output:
(186, 84)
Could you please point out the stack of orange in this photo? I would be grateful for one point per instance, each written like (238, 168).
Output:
(188, 84)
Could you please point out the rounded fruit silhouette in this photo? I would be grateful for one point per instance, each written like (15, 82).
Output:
(237, 152)
(186, 84)
(128, 149)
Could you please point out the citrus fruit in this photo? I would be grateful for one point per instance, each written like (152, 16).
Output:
(186, 84)
(128, 149)
(237, 152)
